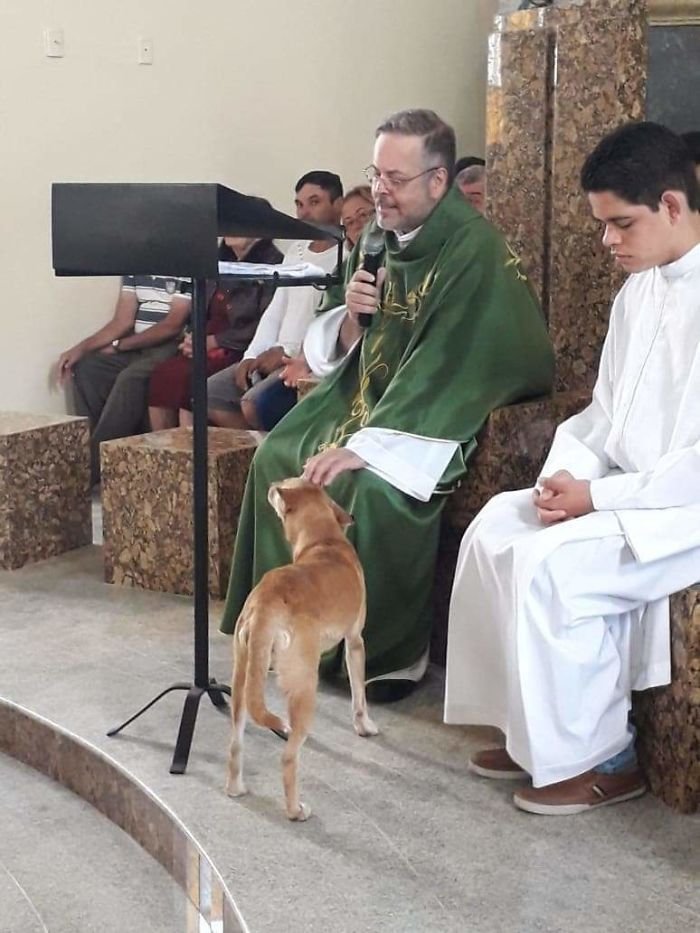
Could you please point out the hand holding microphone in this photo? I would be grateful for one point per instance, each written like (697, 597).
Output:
(363, 293)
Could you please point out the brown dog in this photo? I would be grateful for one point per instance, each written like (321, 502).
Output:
(294, 614)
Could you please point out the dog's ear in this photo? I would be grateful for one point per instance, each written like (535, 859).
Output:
(275, 496)
(344, 518)
(282, 499)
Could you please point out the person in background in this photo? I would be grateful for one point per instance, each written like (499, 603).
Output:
(467, 161)
(471, 181)
(358, 209)
(234, 392)
(233, 315)
(111, 368)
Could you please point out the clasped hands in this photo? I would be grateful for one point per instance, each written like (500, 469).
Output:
(562, 497)
(264, 364)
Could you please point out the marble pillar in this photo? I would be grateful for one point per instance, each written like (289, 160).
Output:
(559, 79)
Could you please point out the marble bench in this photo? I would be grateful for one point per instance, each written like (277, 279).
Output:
(147, 507)
(668, 718)
(45, 506)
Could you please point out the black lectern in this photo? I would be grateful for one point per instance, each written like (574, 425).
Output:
(163, 229)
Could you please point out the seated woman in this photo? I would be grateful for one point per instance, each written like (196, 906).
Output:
(358, 209)
(279, 398)
(233, 316)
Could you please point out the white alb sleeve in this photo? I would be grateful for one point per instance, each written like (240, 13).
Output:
(321, 348)
(674, 481)
(410, 463)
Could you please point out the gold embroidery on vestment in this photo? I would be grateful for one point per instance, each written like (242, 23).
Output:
(516, 262)
(392, 306)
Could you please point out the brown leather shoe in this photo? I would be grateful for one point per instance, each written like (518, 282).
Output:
(586, 791)
(496, 763)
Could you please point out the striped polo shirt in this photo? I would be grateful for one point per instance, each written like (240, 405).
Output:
(154, 294)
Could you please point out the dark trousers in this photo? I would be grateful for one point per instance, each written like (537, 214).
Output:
(111, 389)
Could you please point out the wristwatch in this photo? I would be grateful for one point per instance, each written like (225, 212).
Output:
(115, 345)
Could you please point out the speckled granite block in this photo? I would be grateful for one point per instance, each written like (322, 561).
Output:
(147, 507)
(559, 79)
(517, 152)
(668, 718)
(44, 487)
(512, 448)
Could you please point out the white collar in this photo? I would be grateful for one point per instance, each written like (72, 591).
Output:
(405, 238)
(689, 262)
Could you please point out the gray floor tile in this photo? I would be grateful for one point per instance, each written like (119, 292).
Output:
(401, 838)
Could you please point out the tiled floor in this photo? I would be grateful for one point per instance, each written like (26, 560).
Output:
(64, 868)
(401, 839)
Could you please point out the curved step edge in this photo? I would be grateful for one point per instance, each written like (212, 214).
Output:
(126, 801)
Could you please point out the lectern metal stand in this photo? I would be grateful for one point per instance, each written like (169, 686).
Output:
(202, 683)
(172, 230)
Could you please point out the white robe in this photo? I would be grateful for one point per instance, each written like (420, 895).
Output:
(550, 628)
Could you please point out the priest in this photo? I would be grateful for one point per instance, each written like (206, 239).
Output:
(560, 602)
(453, 332)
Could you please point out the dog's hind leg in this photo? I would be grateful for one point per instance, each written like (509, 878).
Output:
(262, 636)
(302, 703)
(234, 783)
(355, 663)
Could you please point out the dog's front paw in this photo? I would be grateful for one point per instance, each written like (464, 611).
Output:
(365, 727)
(301, 814)
(236, 788)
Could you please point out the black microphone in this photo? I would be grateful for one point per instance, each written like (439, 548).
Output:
(371, 262)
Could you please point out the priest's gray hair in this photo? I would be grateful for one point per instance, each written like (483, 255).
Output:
(438, 137)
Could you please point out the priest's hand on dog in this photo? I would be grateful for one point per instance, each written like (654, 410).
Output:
(562, 496)
(322, 469)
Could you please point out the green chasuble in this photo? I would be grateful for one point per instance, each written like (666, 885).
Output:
(458, 334)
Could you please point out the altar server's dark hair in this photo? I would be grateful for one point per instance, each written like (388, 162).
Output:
(638, 162)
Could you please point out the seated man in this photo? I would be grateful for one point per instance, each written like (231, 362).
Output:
(111, 369)
(233, 391)
(471, 181)
(233, 313)
(560, 607)
(466, 162)
(358, 210)
(455, 332)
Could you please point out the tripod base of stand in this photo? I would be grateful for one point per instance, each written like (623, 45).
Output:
(214, 690)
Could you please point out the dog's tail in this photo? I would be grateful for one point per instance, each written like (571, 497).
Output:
(260, 638)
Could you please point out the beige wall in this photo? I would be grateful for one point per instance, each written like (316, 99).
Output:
(250, 93)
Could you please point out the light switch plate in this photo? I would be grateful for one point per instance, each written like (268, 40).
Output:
(54, 43)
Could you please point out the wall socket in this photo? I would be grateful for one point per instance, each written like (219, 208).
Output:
(54, 43)
(145, 50)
